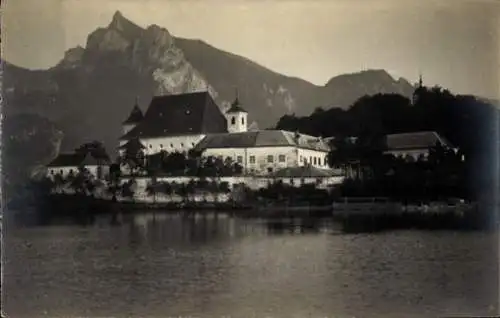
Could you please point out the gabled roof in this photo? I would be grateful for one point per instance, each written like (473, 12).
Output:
(236, 107)
(135, 116)
(304, 172)
(133, 143)
(262, 138)
(181, 114)
(415, 140)
(66, 160)
(89, 160)
(76, 159)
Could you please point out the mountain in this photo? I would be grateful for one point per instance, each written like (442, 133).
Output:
(92, 89)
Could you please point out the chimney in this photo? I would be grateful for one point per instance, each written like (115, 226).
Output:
(296, 136)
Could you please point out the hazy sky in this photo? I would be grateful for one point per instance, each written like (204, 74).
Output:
(453, 43)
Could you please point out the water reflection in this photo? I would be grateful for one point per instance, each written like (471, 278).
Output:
(213, 265)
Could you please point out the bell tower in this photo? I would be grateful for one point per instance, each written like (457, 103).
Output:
(236, 117)
(417, 91)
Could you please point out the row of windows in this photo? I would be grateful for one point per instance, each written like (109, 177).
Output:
(233, 121)
(270, 159)
(171, 145)
(282, 159)
(314, 160)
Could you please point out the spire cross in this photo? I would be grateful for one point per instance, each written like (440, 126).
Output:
(236, 93)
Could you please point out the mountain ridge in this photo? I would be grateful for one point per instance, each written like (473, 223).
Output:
(123, 61)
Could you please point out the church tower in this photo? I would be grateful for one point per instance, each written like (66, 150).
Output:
(417, 91)
(133, 119)
(236, 117)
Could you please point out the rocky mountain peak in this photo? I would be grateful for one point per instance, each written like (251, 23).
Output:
(124, 25)
(117, 36)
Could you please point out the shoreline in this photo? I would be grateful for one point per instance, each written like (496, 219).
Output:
(354, 217)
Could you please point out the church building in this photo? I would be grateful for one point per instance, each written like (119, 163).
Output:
(174, 123)
(179, 123)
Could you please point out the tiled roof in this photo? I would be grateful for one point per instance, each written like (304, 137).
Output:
(262, 138)
(236, 107)
(181, 114)
(415, 140)
(66, 160)
(135, 116)
(76, 159)
(304, 172)
(89, 160)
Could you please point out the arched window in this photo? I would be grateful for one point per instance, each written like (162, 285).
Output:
(233, 121)
(242, 120)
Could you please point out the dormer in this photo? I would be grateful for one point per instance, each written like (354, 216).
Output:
(236, 118)
(133, 119)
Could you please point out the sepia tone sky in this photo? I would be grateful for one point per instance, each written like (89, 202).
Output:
(454, 43)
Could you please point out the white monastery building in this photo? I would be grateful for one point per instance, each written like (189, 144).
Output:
(67, 164)
(194, 121)
(415, 145)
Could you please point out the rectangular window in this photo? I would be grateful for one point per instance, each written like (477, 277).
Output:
(282, 158)
(239, 159)
(314, 160)
(252, 159)
(270, 158)
(310, 159)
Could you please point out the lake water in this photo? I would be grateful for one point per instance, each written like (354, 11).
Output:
(216, 266)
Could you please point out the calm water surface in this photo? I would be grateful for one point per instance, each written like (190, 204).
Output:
(215, 266)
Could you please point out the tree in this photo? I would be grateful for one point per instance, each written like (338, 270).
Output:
(182, 190)
(175, 163)
(114, 179)
(224, 187)
(151, 189)
(166, 188)
(95, 148)
(133, 156)
(127, 190)
(345, 153)
(59, 182)
(78, 182)
(191, 187)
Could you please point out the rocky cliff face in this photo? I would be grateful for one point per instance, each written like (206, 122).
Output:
(149, 52)
(93, 89)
